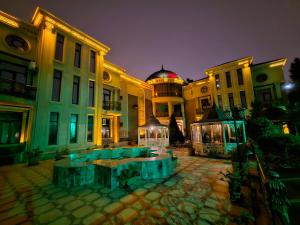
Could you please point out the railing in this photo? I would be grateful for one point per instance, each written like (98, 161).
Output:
(112, 105)
(168, 94)
(11, 87)
(275, 195)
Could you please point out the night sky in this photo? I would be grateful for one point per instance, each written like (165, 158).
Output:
(186, 36)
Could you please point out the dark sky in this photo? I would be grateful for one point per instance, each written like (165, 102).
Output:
(186, 36)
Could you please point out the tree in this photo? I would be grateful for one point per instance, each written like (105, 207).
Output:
(175, 133)
(294, 95)
(189, 80)
(295, 71)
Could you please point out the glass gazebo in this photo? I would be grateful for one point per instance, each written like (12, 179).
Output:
(153, 134)
(217, 133)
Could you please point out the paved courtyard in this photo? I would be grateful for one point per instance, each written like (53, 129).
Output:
(194, 194)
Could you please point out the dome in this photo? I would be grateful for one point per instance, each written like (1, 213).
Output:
(163, 74)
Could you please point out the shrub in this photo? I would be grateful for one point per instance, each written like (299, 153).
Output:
(261, 126)
(280, 149)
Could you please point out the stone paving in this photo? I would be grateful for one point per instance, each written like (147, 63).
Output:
(194, 194)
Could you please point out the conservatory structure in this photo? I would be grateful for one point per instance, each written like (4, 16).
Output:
(217, 134)
(153, 134)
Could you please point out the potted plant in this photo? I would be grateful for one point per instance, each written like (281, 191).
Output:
(33, 156)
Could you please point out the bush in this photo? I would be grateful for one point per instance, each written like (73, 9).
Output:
(261, 126)
(280, 149)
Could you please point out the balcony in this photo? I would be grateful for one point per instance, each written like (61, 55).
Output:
(112, 105)
(11, 87)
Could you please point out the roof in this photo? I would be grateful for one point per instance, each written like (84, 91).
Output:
(283, 60)
(153, 121)
(163, 74)
(240, 61)
(43, 15)
(215, 114)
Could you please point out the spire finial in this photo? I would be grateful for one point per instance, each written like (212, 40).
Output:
(162, 67)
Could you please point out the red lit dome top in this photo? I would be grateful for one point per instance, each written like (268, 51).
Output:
(163, 74)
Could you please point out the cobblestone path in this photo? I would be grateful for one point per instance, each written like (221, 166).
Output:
(194, 194)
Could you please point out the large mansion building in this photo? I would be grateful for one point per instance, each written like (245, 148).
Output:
(58, 91)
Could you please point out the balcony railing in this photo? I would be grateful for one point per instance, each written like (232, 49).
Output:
(112, 105)
(11, 87)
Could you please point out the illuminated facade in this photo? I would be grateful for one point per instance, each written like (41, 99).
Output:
(234, 84)
(167, 97)
(58, 91)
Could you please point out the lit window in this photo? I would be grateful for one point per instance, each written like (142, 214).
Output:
(73, 128)
(218, 84)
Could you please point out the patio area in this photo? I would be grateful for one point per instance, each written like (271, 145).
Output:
(194, 194)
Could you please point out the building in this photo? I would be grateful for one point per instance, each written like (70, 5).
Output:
(236, 83)
(167, 97)
(58, 91)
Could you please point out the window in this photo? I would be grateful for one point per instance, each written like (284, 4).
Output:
(204, 89)
(162, 110)
(91, 93)
(168, 89)
(230, 99)
(106, 76)
(220, 102)
(10, 127)
(56, 86)
(243, 99)
(77, 57)
(90, 129)
(75, 94)
(230, 133)
(106, 99)
(17, 43)
(217, 77)
(228, 79)
(240, 76)
(14, 72)
(205, 104)
(59, 48)
(73, 128)
(264, 96)
(93, 61)
(53, 128)
(106, 128)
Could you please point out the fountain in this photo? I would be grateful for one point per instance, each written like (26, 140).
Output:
(111, 167)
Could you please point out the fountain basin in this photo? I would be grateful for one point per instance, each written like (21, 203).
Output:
(111, 167)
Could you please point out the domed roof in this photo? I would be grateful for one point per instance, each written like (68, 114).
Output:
(163, 74)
